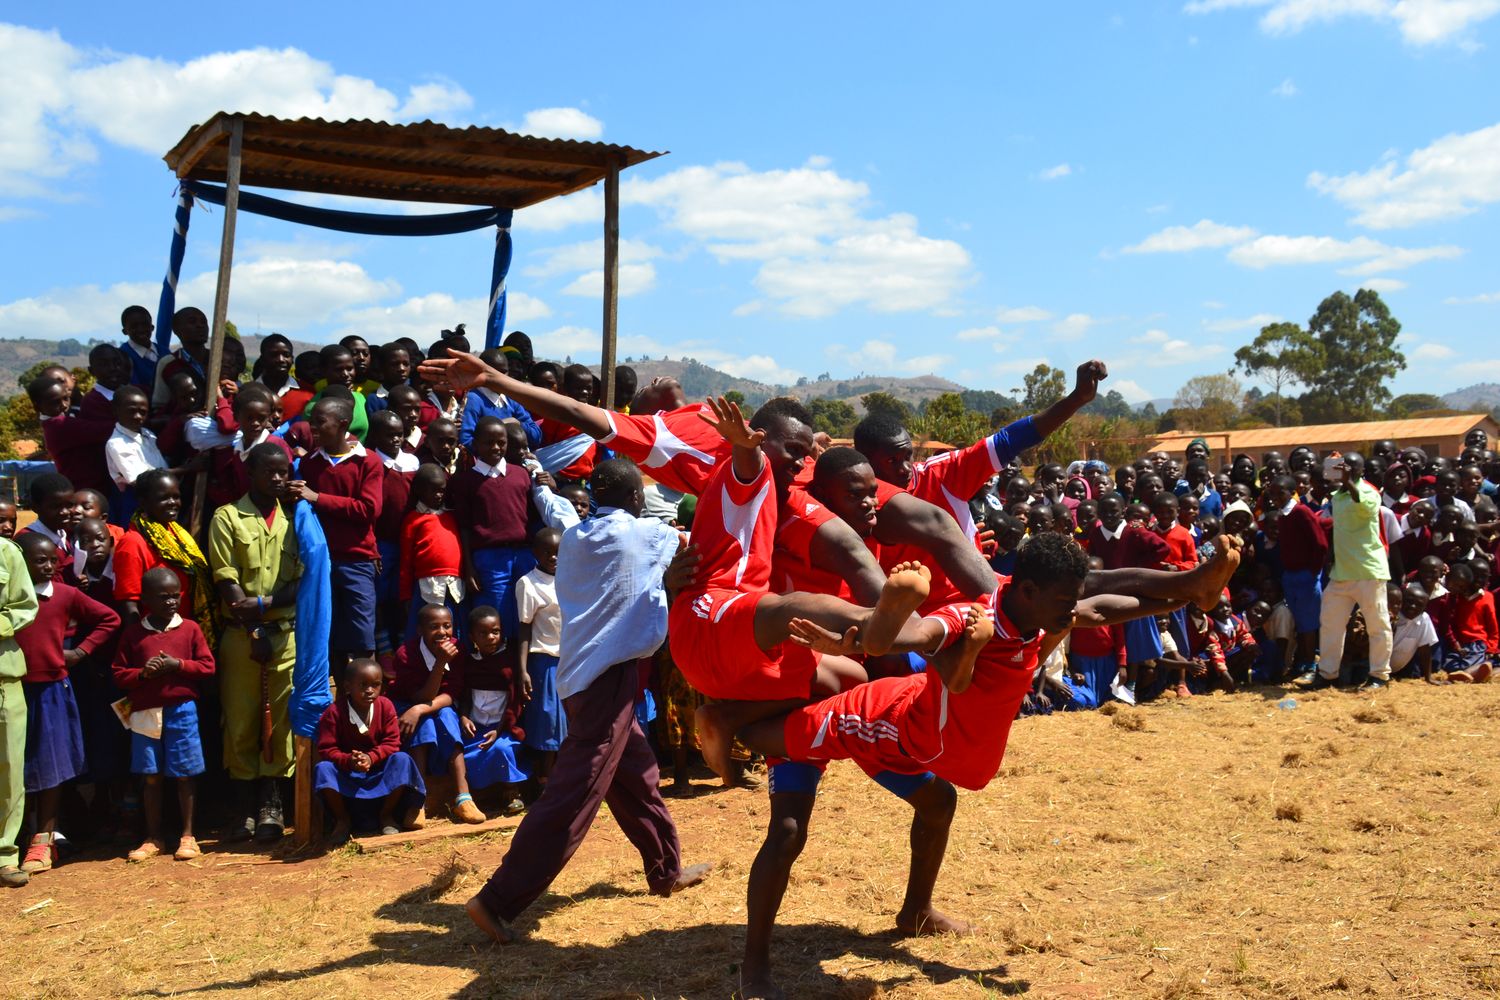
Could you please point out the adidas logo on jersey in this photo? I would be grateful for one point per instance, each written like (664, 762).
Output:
(702, 606)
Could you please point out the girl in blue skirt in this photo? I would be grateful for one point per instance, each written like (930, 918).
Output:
(360, 760)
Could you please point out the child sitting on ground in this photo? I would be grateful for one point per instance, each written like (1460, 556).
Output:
(494, 702)
(159, 663)
(1472, 637)
(544, 721)
(423, 680)
(54, 736)
(1414, 642)
(360, 758)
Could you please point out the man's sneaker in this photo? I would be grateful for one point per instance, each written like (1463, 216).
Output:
(1320, 683)
(12, 877)
(1373, 684)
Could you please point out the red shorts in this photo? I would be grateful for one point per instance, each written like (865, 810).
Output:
(713, 644)
(863, 724)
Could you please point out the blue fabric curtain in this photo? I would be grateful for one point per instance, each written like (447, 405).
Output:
(167, 304)
(314, 621)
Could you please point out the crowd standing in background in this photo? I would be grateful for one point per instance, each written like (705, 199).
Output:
(518, 621)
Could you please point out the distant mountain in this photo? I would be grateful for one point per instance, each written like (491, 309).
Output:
(1473, 397)
(700, 380)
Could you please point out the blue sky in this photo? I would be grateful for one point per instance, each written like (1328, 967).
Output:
(850, 187)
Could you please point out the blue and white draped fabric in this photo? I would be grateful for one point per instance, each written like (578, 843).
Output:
(561, 454)
(494, 327)
(167, 305)
(314, 622)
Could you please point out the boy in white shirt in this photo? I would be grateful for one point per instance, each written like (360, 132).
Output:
(544, 721)
(131, 449)
(1414, 637)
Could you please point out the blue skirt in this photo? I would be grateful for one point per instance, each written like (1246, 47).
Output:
(543, 718)
(54, 736)
(498, 569)
(1142, 640)
(439, 730)
(495, 765)
(1099, 672)
(389, 628)
(398, 772)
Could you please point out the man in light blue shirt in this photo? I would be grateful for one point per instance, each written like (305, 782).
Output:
(614, 611)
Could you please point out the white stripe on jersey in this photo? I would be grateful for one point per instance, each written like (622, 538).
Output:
(739, 523)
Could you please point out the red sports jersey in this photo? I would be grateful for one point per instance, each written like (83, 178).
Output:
(677, 448)
(914, 724)
(735, 530)
(941, 591)
(950, 479)
(792, 565)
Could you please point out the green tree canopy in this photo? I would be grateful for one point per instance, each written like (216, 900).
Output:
(1042, 387)
(1406, 404)
(1209, 402)
(947, 419)
(832, 416)
(1282, 355)
(1356, 338)
(884, 402)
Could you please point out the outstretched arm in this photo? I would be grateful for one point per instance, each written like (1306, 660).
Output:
(731, 425)
(1090, 374)
(460, 372)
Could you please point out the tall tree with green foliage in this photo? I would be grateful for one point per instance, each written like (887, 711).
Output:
(1406, 404)
(1281, 355)
(1042, 387)
(884, 402)
(1357, 346)
(1209, 402)
(946, 419)
(833, 417)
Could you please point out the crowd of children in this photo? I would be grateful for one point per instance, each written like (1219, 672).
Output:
(148, 609)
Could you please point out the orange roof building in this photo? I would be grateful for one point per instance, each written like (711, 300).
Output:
(1434, 435)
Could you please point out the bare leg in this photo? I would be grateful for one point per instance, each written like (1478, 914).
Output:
(933, 806)
(47, 801)
(186, 798)
(878, 627)
(151, 806)
(786, 835)
(339, 810)
(719, 721)
(1201, 585)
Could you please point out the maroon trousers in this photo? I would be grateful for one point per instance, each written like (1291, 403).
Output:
(605, 758)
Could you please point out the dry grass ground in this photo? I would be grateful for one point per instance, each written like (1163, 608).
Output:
(1225, 848)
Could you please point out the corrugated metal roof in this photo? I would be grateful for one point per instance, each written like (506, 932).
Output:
(1415, 430)
(422, 161)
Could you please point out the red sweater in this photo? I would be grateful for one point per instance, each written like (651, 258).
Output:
(1098, 641)
(96, 407)
(349, 495)
(395, 495)
(138, 644)
(76, 447)
(338, 739)
(1136, 547)
(429, 547)
(133, 557)
(42, 640)
(1467, 621)
(494, 509)
(1182, 551)
(1304, 540)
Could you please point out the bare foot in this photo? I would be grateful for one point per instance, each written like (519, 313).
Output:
(979, 631)
(904, 591)
(1217, 571)
(928, 922)
(1460, 677)
(1183, 691)
(717, 738)
(689, 877)
(488, 922)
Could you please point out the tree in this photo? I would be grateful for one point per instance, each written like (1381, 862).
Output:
(833, 417)
(1209, 402)
(884, 402)
(1044, 386)
(1358, 356)
(1275, 410)
(986, 401)
(1406, 404)
(946, 419)
(735, 396)
(1281, 355)
(1111, 406)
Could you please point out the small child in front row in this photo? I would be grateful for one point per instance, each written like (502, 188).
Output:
(1414, 639)
(360, 757)
(544, 721)
(1471, 636)
(159, 664)
(425, 680)
(54, 734)
(494, 702)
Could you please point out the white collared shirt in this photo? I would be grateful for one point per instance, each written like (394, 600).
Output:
(129, 453)
(415, 437)
(439, 589)
(489, 471)
(291, 383)
(43, 589)
(63, 543)
(428, 656)
(241, 449)
(1108, 536)
(357, 451)
(495, 398)
(107, 393)
(450, 411)
(360, 723)
(174, 623)
(403, 461)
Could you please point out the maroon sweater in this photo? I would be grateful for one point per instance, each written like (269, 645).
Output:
(96, 407)
(395, 494)
(338, 739)
(76, 447)
(495, 510)
(408, 674)
(230, 479)
(138, 644)
(1136, 548)
(42, 640)
(496, 672)
(1304, 541)
(349, 495)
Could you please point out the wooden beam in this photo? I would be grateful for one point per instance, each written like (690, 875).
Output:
(307, 808)
(611, 284)
(221, 296)
(205, 140)
(441, 831)
(414, 170)
(495, 195)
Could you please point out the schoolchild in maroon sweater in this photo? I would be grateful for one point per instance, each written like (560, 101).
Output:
(254, 408)
(492, 502)
(53, 497)
(406, 402)
(111, 369)
(345, 483)
(75, 444)
(159, 664)
(384, 439)
(440, 447)
(360, 756)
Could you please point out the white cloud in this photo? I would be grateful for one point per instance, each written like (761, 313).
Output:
(1247, 323)
(1286, 88)
(1431, 352)
(588, 255)
(1383, 285)
(1056, 173)
(884, 356)
(1133, 391)
(1022, 314)
(1201, 235)
(1454, 176)
(562, 123)
(1073, 326)
(423, 317)
(436, 98)
(1484, 299)
(1372, 256)
(979, 333)
(633, 280)
(1421, 22)
(1017, 366)
(1161, 340)
(749, 308)
(818, 253)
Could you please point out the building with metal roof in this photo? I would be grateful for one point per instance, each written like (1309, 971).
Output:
(1434, 435)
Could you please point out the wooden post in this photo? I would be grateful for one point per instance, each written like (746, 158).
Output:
(307, 812)
(611, 284)
(221, 297)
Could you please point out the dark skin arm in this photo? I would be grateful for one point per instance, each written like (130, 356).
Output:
(465, 371)
(1089, 375)
(836, 547)
(906, 520)
(731, 425)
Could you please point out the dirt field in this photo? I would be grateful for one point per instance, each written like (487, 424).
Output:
(1220, 847)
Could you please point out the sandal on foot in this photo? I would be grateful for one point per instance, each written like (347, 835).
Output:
(187, 849)
(12, 877)
(389, 830)
(514, 807)
(465, 811)
(40, 855)
(148, 849)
